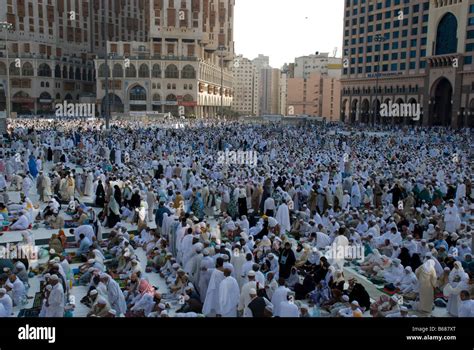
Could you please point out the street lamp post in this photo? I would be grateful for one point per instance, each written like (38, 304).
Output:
(6, 27)
(106, 37)
(379, 38)
(222, 51)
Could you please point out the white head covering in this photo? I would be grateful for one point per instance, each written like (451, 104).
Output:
(429, 266)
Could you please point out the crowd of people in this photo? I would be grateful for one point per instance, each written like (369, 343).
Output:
(231, 239)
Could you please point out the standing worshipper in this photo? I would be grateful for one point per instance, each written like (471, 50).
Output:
(40, 186)
(32, 166)
(212, 302)
(88, 188)
(55, 301)
(451, 217)
(287, 260)
(100, 195)
(229, 295)
(427, 279)
(283, 218)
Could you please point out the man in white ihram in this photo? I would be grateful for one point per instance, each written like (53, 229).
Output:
(55, 303)
(229, 295)
(115, 294)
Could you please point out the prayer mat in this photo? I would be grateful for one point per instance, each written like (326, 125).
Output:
(38, 302)
(28, 313)
(376, 281)
(390, 292)
(74, 259)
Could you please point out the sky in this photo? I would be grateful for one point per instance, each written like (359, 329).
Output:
(285, 29)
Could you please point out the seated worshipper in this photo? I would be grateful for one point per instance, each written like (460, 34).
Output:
(56, 221)
(146, 305)
(16, 289)
(100, 308)
(389, 307)
(7, 302)
(53, 207)
(56, 244)
(137, 288)
(178, 285)
(342, 302)
(21, 271)
(466, 307)
(293, 279)
(114, 294)
(87, 271)
(374, 263)
(394, 272)
(468, 264)
(192, 302)
(359, 293)
(408, 284)
(20, 224)
(302, 254)
(321, 295)
(84, 247)
(353, 311)
(3, 212)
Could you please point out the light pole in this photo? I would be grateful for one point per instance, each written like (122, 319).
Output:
(106, 37)
(222, 51)
(379, 38)
(6, 27)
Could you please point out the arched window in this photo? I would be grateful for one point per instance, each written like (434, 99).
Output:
(188, 72)
(172, 72)
(71, 73)
(78, 74)
(3, 69)
(14, 70)
(57, 71)
(131, 72)
(143, 71)
(64, 72)
(446, 37)
(171, 98)
(156, 72)
(156, 97)
(138, 93)
(44, 70)
(45, 96)
(118, 71)
(102, 71)
(27, 70)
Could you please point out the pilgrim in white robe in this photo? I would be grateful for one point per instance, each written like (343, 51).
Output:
(283, 218)
(211, 304)
(55, 307)
(279, 296)
(229, 294)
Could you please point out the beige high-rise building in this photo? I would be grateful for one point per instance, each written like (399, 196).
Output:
(319, 63)
(283, 93)
(246, 87)
(52, 45)
(181, 67)
(316, 96)
(270, 91)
